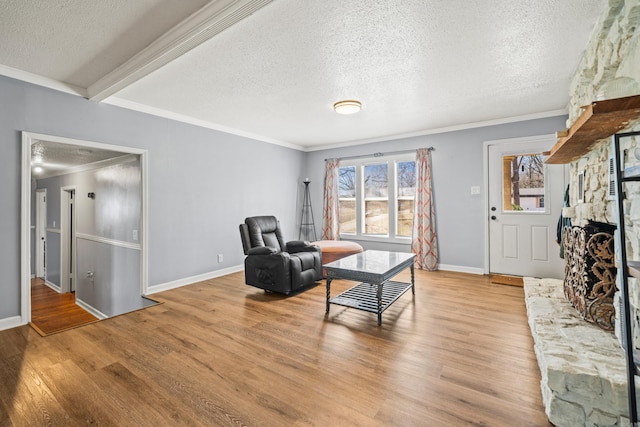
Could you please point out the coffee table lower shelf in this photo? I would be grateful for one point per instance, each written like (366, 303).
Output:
(364, 296)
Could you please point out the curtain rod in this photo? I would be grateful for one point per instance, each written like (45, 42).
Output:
(388, 153)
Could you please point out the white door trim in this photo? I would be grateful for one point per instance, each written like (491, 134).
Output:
(25, 223)
(25, 233)
(485, 178)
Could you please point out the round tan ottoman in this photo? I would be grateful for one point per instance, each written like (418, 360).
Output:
(333, 250)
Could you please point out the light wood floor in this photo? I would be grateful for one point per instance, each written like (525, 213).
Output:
(221, 353)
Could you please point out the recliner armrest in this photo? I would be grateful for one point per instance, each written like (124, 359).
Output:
(301, 246)
(263, 250)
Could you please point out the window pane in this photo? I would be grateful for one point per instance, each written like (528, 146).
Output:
(347, 182)
(347, 199)
(523, 183)
(376, 203)
(405, 217)
(406, 179)
(347, 215)
(375, 181)
(376, 217)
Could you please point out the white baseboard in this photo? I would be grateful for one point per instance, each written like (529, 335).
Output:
(234, 269)
(52, 286)
(97, 313)
(15, 321)
(461, 269)
(11, 322)
(193, 279)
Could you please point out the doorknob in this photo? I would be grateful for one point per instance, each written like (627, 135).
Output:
(493, 217)
(493, 208)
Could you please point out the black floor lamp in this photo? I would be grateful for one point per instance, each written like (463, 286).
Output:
(307, 225)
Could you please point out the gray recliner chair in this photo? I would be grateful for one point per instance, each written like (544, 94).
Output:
(273, 265)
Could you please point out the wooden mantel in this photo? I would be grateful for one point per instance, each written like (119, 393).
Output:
(599, 120)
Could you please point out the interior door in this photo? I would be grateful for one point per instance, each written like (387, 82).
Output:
(72, 241)
(67, 240)
(525, 201)
(41, 232)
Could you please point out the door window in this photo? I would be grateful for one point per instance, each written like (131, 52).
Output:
(523, 183)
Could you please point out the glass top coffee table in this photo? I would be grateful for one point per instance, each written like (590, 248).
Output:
(373, 269)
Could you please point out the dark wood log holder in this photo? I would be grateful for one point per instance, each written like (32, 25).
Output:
(590, 272)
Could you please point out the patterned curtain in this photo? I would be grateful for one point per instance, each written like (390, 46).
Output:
(330, 229)
(424, 242)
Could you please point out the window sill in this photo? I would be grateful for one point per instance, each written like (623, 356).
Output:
(379, 239)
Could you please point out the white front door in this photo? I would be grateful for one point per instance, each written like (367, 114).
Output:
(525, 201)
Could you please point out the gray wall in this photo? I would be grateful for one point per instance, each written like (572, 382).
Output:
(53, 257)
(10, 192)
(115, 286)
(457, 165)
(202, 183)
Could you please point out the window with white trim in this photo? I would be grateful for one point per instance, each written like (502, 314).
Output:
(376, 197)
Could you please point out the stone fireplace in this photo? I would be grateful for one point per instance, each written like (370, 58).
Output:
(610, 68)
(583, 366)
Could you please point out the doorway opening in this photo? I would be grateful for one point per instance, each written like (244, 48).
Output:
(43, 254)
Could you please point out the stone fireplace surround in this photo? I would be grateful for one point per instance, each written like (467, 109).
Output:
(583, 367)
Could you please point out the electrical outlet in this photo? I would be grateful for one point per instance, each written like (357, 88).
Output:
(220, 258)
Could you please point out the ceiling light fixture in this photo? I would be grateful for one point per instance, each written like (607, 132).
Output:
(347, 106)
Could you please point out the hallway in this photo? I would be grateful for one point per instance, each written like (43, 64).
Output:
(53, 312)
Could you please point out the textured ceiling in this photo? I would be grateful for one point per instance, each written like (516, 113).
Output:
(57, 158)
(417, 66)
(78, 41)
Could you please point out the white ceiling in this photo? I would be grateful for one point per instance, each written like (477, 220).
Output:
(50, 158)
(274, 73)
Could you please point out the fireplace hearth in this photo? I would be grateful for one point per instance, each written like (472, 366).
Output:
(583, 368)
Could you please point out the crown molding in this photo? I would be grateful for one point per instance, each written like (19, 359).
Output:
(446, 129)
(201, 26)
(36, 79)
(158, 112)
